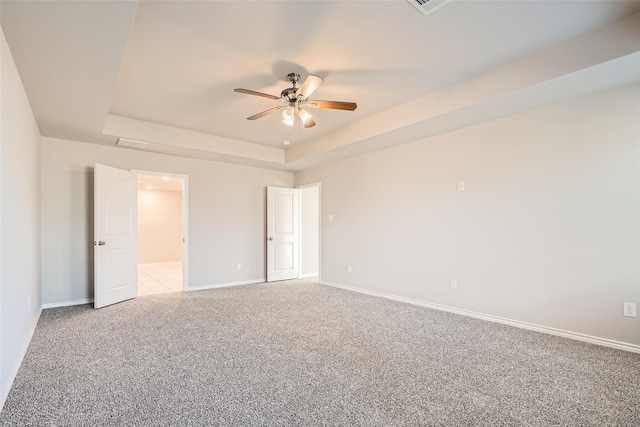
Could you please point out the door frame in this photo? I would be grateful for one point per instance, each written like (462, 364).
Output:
(302, 187)
(185, 218)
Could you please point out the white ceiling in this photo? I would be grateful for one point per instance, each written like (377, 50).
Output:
(164, 71)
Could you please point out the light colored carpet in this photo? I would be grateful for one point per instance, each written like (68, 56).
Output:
(303, 354)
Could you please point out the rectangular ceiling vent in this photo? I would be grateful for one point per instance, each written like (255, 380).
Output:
(428, 6)
(132, 143)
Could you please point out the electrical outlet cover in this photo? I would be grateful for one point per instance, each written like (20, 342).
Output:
(629, 309)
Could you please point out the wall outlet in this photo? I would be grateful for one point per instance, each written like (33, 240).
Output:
(238, 266)
(629, 309)
(460, 185)
(453, 284)
(348, 269)
(29, 301)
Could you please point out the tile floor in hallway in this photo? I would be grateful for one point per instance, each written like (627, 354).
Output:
(159, 278)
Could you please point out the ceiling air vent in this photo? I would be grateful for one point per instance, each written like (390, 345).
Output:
(132, 143)
(427, 6)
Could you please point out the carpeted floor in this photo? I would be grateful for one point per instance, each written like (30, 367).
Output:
(303, 354)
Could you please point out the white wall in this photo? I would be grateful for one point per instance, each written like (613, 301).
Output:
(19, 223)
(547, 231)
(309, 221)
(159, 226)
(226, 215)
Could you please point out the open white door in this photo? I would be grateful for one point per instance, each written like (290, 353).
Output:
(282, 233)
(115, 234)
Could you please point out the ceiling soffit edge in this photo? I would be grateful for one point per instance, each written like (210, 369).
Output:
(609, 43)
(157, 134)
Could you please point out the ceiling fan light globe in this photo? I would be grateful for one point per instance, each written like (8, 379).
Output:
(304, 116)
(288, 121)
(288, 114)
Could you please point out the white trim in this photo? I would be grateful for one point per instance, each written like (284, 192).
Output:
(67, 303)
(302, 187)
(319, 230)
(229, 284)
(185, 232)
(299, 233)
(634, 348)
(6, 387)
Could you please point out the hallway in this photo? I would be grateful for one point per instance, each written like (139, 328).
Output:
(159, 278)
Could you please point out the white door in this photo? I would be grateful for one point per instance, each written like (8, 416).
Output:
(115, 234)
(282, 233)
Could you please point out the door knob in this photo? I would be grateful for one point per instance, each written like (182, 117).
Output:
(270, 238)
(99, 243)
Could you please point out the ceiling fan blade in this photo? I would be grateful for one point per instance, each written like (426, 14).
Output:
(335, 105)
(253, 92)
(264, 113)
(310, 84)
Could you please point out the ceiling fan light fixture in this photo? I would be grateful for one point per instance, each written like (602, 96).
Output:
(305, 116)
(294, 98)
(288, 122)
(288, 113)
(289, 116)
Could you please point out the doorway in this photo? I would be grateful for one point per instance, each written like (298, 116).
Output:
(161, 232)
(293, 233)
(310, 232)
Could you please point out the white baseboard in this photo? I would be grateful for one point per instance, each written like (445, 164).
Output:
(516, 323)
(6, 387)
(302, 276)
(67, 303)
(228, 284)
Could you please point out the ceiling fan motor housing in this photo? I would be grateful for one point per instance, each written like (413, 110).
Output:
(289, 94)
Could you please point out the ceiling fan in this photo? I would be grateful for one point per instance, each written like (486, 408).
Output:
(296, 99)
